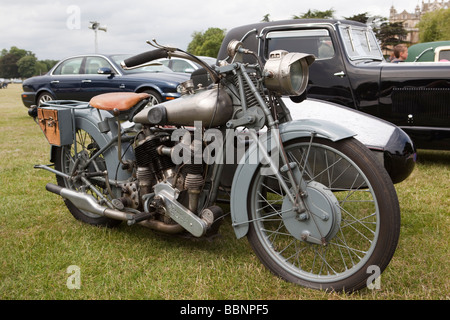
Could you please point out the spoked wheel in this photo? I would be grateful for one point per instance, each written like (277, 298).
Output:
(67, 157)
(351, 223)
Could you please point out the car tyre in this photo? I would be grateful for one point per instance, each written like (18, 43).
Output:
(44, 97)
(155, 97)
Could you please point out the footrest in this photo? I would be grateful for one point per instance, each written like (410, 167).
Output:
(139, 217)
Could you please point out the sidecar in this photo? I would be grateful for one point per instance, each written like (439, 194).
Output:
(390, 144)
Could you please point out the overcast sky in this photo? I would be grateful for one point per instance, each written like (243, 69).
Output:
(56, 29)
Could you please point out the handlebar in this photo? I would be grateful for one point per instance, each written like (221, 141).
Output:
(144, 57)
(165, 52)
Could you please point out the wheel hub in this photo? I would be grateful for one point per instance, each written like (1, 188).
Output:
(321, 221)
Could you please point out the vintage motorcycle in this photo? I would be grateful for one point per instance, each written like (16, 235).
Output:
(314, 203)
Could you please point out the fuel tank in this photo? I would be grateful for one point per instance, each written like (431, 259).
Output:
(213, 107)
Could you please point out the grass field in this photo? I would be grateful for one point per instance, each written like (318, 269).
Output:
(40, 240)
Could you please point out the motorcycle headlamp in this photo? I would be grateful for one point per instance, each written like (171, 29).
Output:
(287, 73)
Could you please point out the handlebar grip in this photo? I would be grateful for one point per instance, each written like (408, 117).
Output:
(144, 57)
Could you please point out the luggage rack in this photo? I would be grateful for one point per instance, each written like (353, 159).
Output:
(65, 104)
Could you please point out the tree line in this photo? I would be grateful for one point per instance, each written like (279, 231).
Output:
(20, 63)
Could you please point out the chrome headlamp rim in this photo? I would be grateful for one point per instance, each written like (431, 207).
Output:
(284, 69)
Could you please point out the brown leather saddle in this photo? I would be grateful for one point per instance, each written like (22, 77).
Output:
(120, 101)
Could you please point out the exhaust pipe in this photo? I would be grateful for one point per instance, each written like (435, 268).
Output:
(162, 227)
(88, 203)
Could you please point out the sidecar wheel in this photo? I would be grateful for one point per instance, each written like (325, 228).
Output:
(350, 228)
(65, 159)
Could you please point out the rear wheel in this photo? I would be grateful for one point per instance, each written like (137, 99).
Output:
(351, 224)
(69, 156)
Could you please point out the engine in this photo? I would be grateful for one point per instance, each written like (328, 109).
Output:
(168, 192)
(153, 148)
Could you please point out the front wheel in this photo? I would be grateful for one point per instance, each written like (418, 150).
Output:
(351, 225)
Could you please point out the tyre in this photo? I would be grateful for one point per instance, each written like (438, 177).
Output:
(155, 97)
(351, 224)
(66, 159)
(44, 97)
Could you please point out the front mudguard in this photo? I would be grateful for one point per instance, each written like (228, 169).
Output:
(243, 177)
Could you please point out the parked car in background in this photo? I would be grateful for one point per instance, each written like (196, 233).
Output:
(437, 51)
(186, 66)
(350, 70)
(85, 76)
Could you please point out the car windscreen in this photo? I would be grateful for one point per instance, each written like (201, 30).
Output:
(312, 41)
(360, 43)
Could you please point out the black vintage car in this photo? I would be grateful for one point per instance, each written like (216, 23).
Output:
(350, 70)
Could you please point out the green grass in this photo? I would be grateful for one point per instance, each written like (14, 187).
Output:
(39, 240)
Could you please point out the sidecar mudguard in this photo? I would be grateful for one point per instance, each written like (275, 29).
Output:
(245, 172)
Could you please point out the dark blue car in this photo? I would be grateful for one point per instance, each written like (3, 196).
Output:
(85, 76)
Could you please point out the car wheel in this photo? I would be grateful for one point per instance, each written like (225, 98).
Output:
(155, 97)
(44, 97)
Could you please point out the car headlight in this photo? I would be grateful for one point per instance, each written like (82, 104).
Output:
(287, 73)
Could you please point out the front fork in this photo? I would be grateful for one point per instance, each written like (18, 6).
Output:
(248, 119)
(291, 169)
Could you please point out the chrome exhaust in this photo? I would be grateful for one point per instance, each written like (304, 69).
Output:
(88, 203)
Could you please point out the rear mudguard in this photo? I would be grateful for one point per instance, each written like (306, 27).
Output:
(88, 119)
(245, 172)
